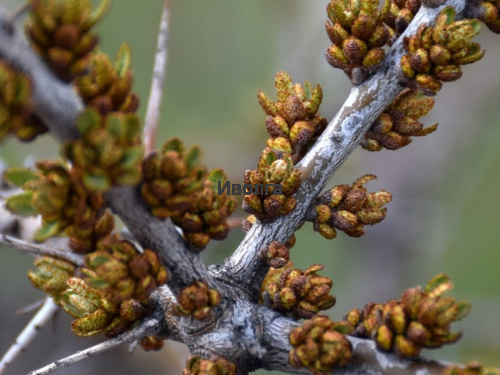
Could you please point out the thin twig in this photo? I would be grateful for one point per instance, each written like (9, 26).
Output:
(37, 249)
(235, 222)
(149, 327)
(31, 307)
(159, 72)
(29, 333)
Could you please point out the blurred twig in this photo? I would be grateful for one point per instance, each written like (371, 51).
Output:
(159, 72)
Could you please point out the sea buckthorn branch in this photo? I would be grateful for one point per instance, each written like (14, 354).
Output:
(363, 106)
(56, 104)
(249, 335)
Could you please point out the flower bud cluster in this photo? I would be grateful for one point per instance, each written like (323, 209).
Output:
(434, 54)
(276, 255)
(63, 202)
(15, 106)
(171, 179)
(197, 366)
(113, 293)
(107, 86)
(358, 34)
(394, 127)
(399, 15)
(59, 31)
(109, 152)
(301, 294)
(207, 216)
(275, 167)
(421, 319)
(51, 275)
(293, 121)
(319, 344)
(175, 185)
(349, 209)
(197, 300)
(472, 368)
(487, 11)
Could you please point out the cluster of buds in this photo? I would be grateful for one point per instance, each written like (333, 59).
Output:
(109, 151)
(198, 366)
(487, 11)
(15, 106)
(293, 121)
(348, 208)
(399, 14)
(276, 255)
(394, 127)
(197, 300)
(301, 294)
(92, 311)
(123, 272)
(473, 368)
(114, 290)
(272, 277)
(59, 31)
(171, 179)
(206, 217)
(434, 54)
(51, 275)
(358, 33)
(319, 344)
(107, 86)
(274, 182)
(421, 319)
(63, 202)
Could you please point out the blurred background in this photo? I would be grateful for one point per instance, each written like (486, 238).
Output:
(444, 216)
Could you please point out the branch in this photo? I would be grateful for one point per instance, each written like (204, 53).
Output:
(28, 333)
(149, 327)
(37, 249)
(366, 359)
(338, 141)
(58, 106)
(159, 72)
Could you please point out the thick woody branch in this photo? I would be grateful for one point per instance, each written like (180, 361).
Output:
(364, 104)
(57, 105)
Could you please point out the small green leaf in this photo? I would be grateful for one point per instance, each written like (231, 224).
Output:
(87, 120)
(128, 177)
(193, 156)
(174, 144)
(47, 230)
(19, 175)
(342, 327)
(123, 59)
(438, 285)
(115, 125)
(97, 282)
(132, 126)
(20, 204)
(214, 177)
(96, 182)
(97, 13)
(132, 156)
(464, 308)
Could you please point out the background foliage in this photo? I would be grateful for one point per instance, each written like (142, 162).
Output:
(444, 214)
